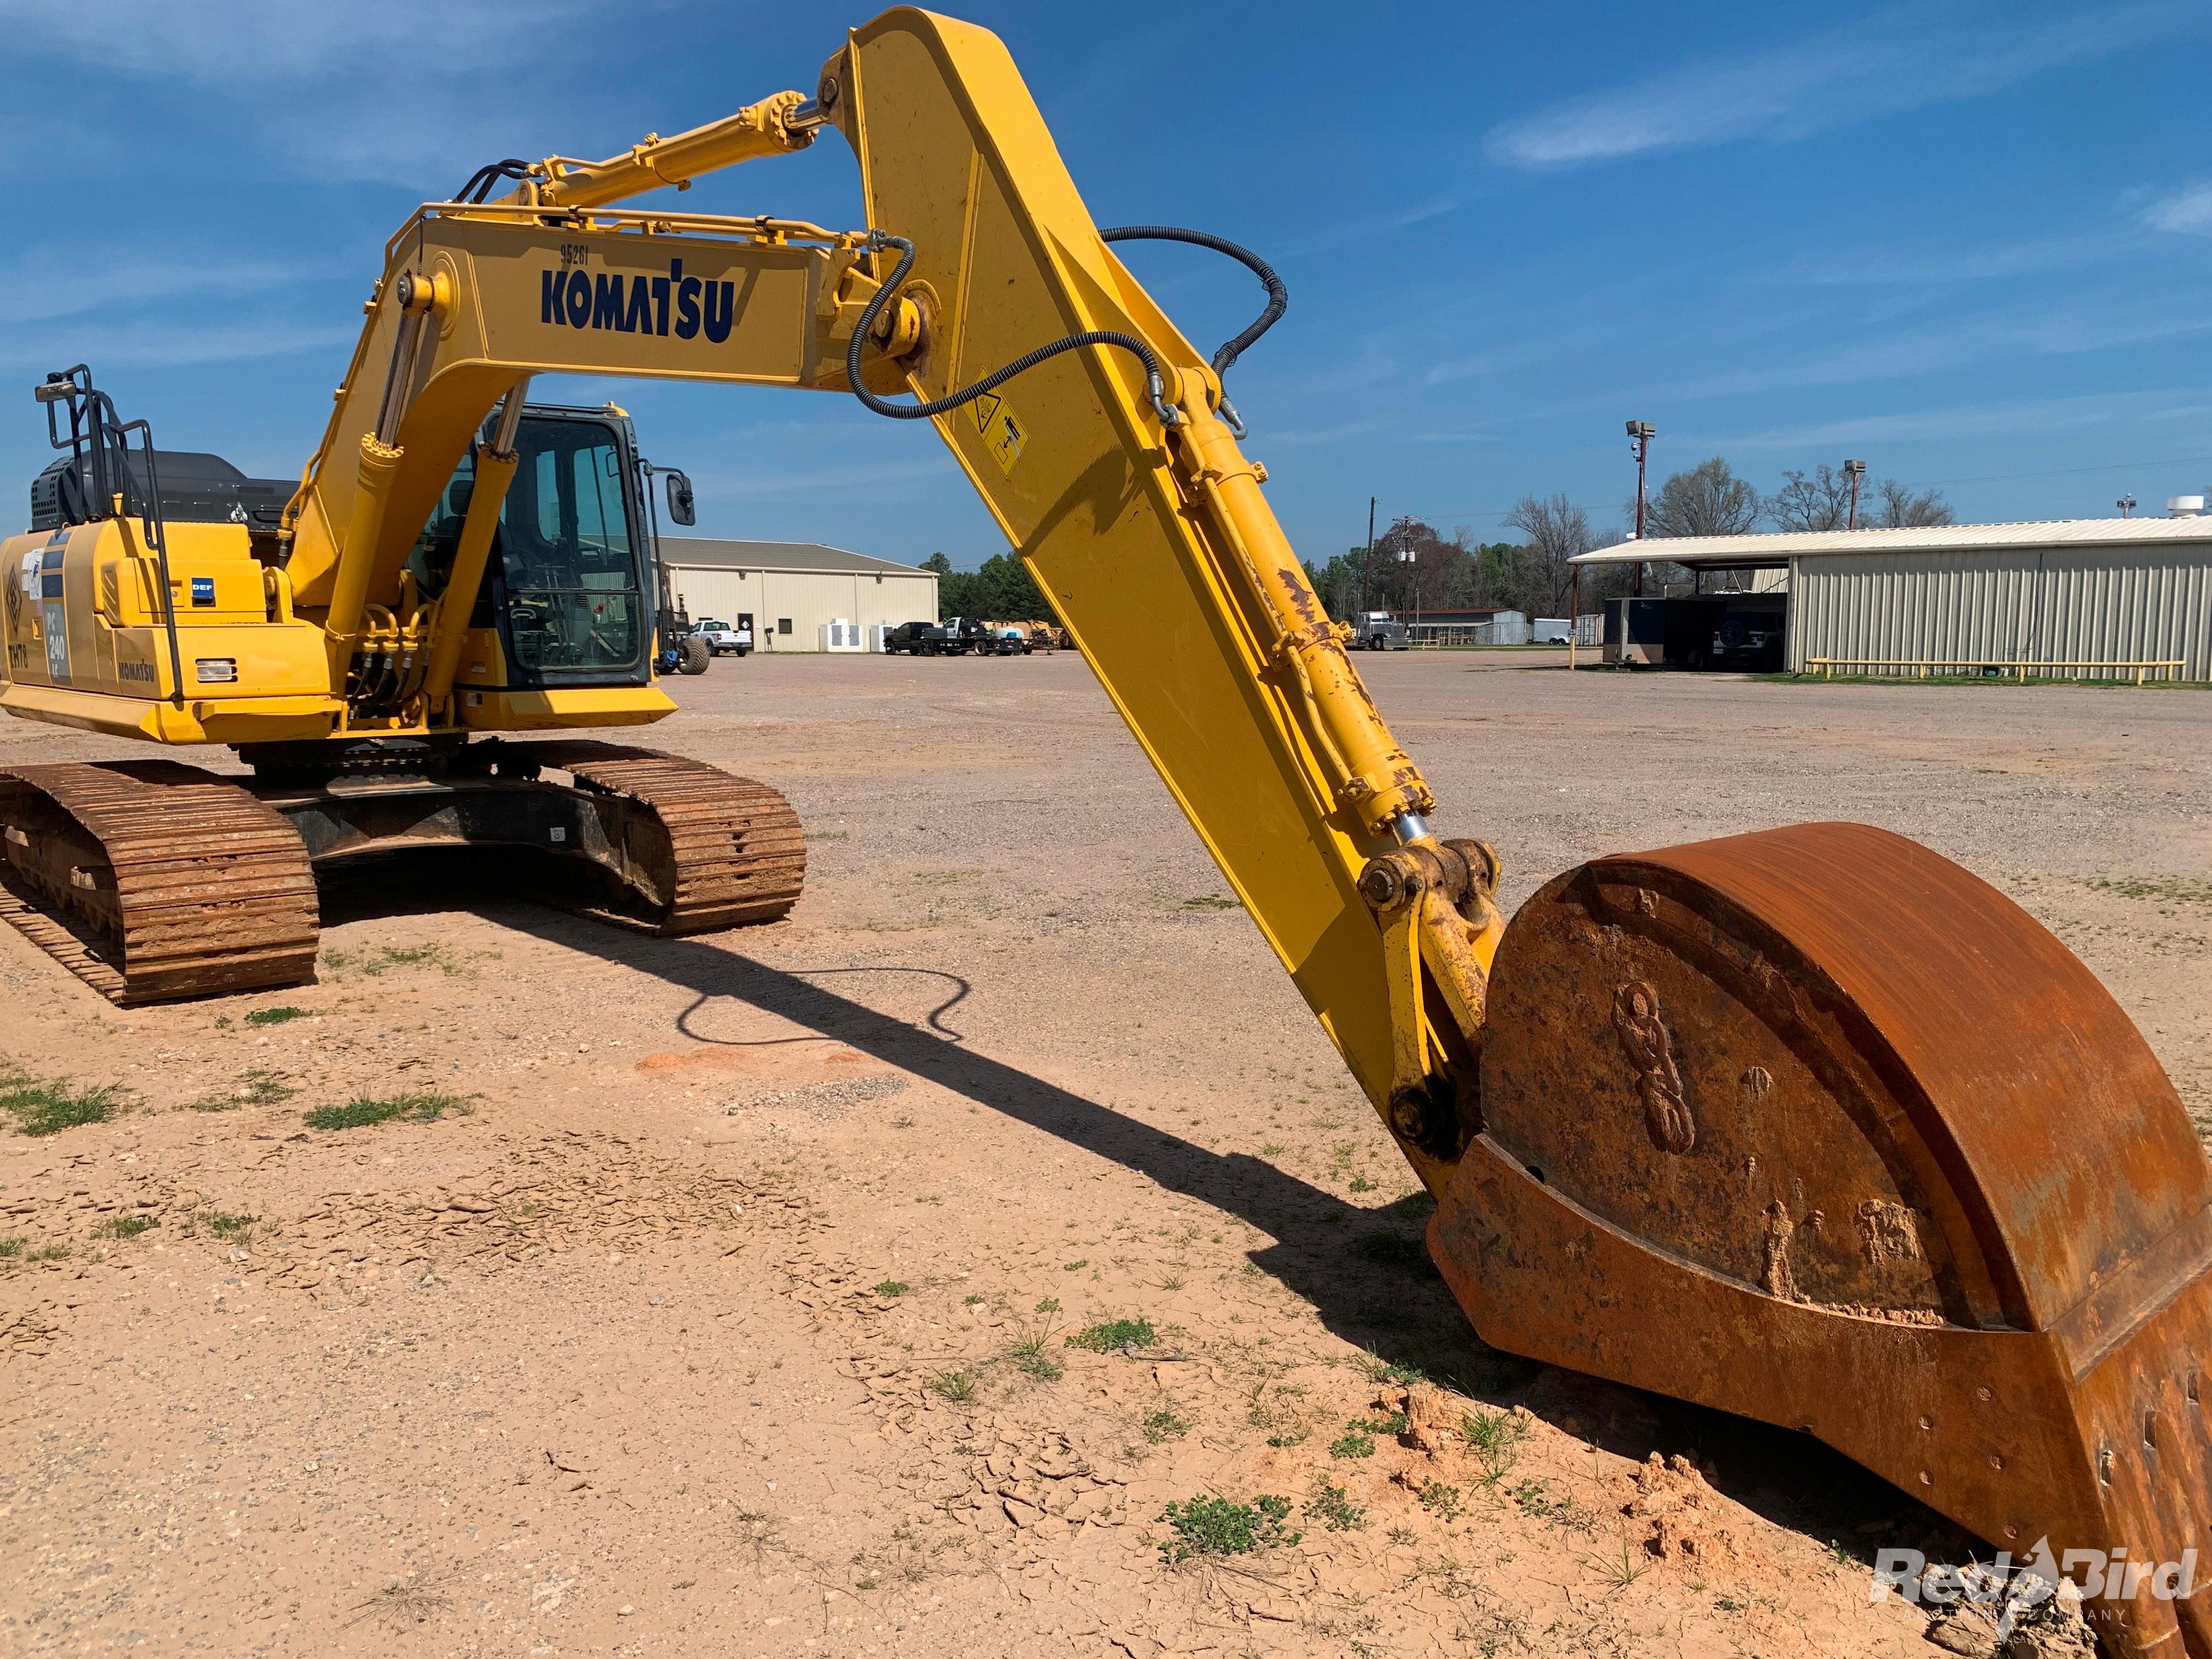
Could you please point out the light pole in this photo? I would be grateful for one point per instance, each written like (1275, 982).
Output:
(1640, 434)
(1408, 556)
(1370, 559)
(1854, 470)
(2126, 504)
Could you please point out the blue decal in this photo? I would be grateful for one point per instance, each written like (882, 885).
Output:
(202, 589)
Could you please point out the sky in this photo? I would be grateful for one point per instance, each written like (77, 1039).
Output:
(1967, 243)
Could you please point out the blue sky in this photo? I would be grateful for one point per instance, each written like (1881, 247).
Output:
(1965, 242)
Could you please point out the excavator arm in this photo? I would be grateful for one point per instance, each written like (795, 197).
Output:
(1809, 1125)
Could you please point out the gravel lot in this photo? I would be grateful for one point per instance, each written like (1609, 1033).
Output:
(702, 1308)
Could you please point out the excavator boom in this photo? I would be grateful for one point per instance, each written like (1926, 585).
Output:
(1809, 1125)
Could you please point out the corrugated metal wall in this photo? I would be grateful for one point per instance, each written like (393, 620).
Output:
(805, 598)
(2036, 605)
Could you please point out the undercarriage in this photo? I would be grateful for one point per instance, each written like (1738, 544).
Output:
(152, 880)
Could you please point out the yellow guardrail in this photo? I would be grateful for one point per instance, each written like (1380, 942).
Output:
(1923, 665)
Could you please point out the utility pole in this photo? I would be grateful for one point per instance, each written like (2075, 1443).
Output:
(1362, 607)
(1854, 470)
(1640, 434)
(2126, 504)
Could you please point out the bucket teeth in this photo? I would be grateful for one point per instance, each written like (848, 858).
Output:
(1814, 1127)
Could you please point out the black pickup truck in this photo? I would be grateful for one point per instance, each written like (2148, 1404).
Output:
(956, 636)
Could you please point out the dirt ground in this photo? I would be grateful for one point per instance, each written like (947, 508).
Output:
(721, 1307)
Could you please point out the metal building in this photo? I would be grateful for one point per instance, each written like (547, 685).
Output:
(794, 590)
(2068, 597)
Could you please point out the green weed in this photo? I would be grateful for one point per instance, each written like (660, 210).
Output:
(1214, 1526)
(224, 1225)
(1162, 1424)
(1332, 1507)
(127, 1226)
(893, 1287)
(361, 1112)
(1116, 1336)
(45, 1106)
(1211, 901)
(1440, 1500)
(1029, 1351)
(1354, 1442)
(1495, 1438)
(275, 1016)
(958, 1386)
(1378, 1369)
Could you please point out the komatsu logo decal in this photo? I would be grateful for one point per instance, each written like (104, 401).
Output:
(685, 306)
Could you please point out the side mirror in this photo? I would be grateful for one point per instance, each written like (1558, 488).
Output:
(682, 507)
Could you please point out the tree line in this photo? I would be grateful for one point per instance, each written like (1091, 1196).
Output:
(1414, 567)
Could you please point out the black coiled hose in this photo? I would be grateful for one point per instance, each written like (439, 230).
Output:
(1278, 297)
(997, 377)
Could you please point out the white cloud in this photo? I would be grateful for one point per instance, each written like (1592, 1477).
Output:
(2188, 210)
(1908, 56)
(392, 92)
(1887, 268)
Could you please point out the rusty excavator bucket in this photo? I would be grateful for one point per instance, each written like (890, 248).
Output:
(1814, 1127)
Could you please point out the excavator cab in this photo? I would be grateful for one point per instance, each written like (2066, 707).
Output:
(563, 600)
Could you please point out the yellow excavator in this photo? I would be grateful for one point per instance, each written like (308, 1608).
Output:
(1807, 1125)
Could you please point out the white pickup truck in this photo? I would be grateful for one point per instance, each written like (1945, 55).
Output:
(720, 636)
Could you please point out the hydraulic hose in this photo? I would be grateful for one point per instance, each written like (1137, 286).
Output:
(480, 183)
(1278, 297)
(967, 394)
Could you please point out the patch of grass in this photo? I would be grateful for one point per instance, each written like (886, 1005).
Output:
(1390, 1424)
(958, 1386)
(1214, 1526)
(1440, 1500)
(1029, 1351)
(224, 1225)
(1622, 1569)
(1075, 1266)
(127, 1226)
(893, 1287)
(1211, 901)
(275, 1016)
(1332, 1507)
(46, 1106)
(1354, 1442)
(2178, 888)
(383, 959)
(1360, 1184)
(256, 1088)
(1273, 1149)
(361, 1111)
(1116, 1336)
(11, 1249)
(973, 1298)
(18, 1248)
(1387, 1248)
(1495, 1438)
(1389, 1372)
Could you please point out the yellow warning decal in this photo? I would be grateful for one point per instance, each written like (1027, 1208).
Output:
(1002, 430)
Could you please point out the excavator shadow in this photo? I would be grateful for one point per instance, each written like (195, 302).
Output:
(1363, 1271)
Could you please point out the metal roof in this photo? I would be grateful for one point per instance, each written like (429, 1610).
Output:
(712, 553)
(1778, 548)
